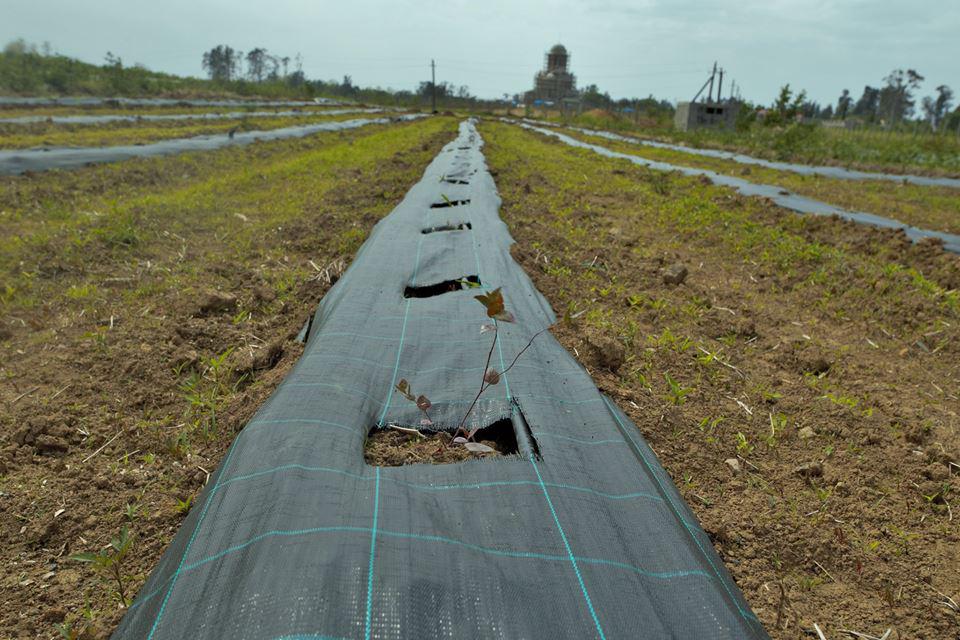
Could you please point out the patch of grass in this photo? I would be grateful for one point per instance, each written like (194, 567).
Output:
(935, 208)
(896, 151)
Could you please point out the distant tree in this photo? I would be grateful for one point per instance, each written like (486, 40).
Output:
(112, 61)
(843, 104)
(896, 98)
(257, 64)
(273, 64)
(810, 110)
(935, 109)
(592, 98)
(114, 67)
(868, 104)
(788, 105)
(952, 121)
(444, 90)
(222, 63)
(296, 79)
(463, 91)
(347, 88)
(827, 112)
(19, 47)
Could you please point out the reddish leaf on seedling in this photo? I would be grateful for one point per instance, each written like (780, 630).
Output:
(493, 301)
(491, 376)
(422, 403)
(404, 387)
(487, 327)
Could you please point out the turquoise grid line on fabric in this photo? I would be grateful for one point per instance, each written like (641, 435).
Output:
(373, 549)
(383, 533)
(403, 333)
(193, 535)
(566, 544)
(444, 487)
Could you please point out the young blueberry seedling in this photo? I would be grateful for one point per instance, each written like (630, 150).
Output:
(497, 311)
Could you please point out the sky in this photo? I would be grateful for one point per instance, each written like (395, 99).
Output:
(629, 48)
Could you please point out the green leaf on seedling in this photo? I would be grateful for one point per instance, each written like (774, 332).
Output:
(493, 301)
(404, 387)
(491, 376)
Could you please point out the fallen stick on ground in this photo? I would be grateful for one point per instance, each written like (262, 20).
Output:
(103, 446)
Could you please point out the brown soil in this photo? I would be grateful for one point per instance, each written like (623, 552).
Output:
(819, 443)
(392, 448)
(98, 429)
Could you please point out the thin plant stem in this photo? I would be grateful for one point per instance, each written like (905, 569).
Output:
(483, 381)
(522, 350)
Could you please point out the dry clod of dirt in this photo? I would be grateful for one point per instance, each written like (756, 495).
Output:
(936, 472)
(809, 470)
(216, 302)
(675, 274)
(610, 353)
(184, 359)
(263, 295)
(806, 433)
(50, 445)
(734, 465)
(261, 359)
(816, 366)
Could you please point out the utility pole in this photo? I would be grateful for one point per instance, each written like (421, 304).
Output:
(712, 74)
(433, 84)
(720, 88)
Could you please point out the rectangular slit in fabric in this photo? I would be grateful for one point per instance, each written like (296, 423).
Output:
(304, 334)
(449, 203)
(440, 288)
(395, 446)
(526, 443)
(455, 181)
(448, 227)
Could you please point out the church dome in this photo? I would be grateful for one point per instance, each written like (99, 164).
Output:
(558, 49)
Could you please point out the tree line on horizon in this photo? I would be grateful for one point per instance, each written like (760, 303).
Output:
(27, 68)
(890, 105)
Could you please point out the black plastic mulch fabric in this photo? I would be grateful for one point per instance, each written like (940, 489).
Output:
(45, 159)
(580, 535)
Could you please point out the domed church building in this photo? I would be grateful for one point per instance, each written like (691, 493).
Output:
(554, 83)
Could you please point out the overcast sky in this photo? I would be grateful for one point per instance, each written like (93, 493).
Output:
(629, 48)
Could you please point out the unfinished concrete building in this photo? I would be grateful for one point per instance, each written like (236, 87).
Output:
(717, 113)
(554, 83)
(699, 115)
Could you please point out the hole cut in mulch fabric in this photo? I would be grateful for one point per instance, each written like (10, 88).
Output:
(448, 227)
(389, 447)
(449, 203)
(440, 288)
